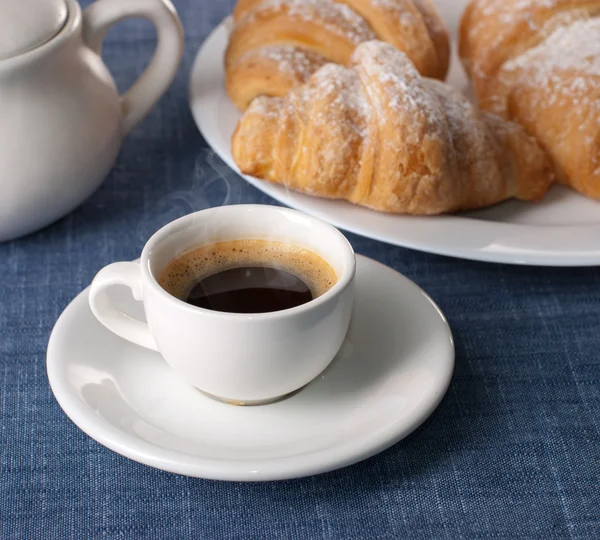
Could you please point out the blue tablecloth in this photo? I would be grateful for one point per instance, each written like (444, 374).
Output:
(513, 450)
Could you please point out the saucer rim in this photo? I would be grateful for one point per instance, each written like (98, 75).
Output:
(269, 469)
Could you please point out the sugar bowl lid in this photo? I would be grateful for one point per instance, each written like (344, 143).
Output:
(28, 24)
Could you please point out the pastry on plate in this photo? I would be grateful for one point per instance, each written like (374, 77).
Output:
(538, 62)
(379, 134)
(276, 45)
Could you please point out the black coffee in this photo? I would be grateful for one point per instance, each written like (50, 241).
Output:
(248, 276)
(250, 290)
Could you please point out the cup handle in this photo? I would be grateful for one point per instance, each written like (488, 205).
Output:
(153, 83)
(118, 322)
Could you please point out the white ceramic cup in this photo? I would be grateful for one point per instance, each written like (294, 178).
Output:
(239, 358)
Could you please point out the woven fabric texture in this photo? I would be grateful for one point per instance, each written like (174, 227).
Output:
(513, 451)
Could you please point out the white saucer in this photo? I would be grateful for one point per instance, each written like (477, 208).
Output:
(391, 373)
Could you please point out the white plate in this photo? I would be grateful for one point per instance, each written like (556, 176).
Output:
(391, 373)
(562, 230)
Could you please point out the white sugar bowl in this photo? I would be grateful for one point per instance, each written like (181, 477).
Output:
(61, 117)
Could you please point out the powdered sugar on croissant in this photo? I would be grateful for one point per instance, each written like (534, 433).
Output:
(305, 34)
(381, 135)
(538, 62)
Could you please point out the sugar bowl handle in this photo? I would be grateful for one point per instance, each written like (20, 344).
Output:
(153, 83)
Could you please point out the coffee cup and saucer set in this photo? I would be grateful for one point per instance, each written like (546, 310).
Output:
(249, 343)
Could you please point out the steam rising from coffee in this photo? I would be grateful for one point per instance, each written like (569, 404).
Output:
(212, 184)
(237, 275)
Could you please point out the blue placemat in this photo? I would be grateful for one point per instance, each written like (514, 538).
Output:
(513, 450)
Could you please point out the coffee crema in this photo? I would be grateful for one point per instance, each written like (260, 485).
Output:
(248, 276)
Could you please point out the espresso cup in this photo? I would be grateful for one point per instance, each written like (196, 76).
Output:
(238, 358)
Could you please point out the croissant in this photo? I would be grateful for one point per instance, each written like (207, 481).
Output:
(538, 63)
(380, 135)
(275, 45)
